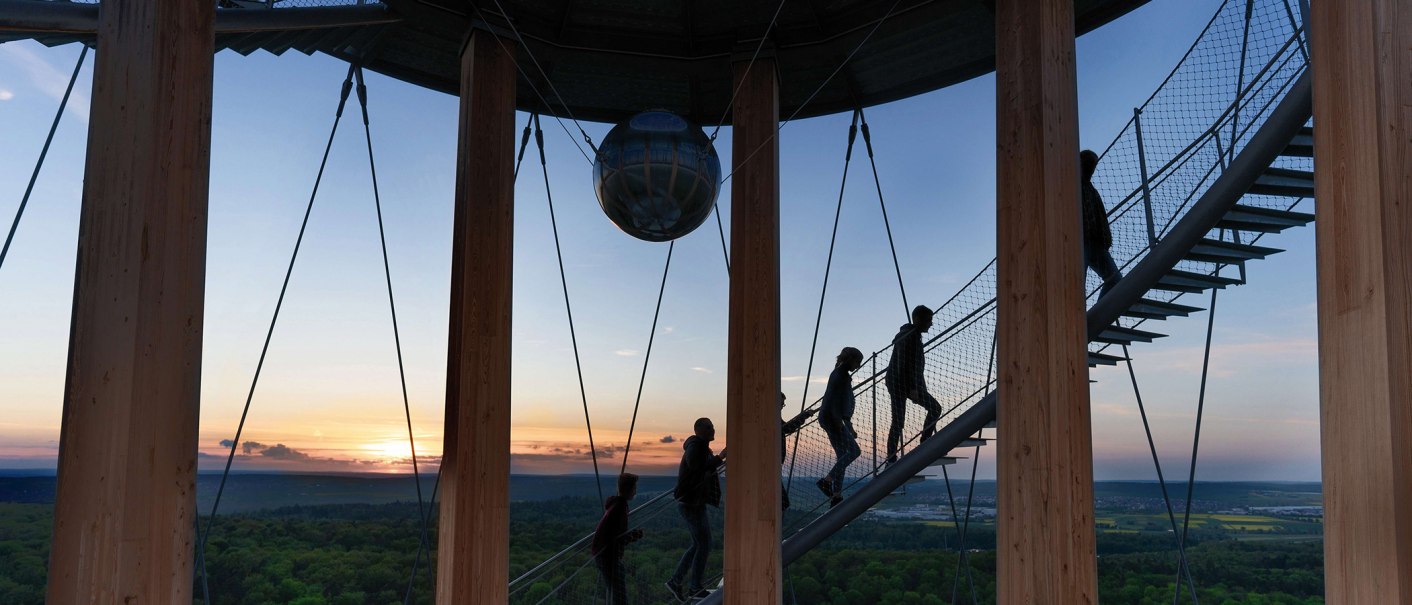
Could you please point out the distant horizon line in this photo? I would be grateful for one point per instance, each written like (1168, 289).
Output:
(33, 472)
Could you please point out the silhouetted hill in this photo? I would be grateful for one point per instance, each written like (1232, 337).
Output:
(256, 491)
(259, 491)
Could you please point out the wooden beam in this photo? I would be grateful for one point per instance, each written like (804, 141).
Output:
(125, 511)
(1362, 61)
(752, 550)
(1045, 468)
(474, 539)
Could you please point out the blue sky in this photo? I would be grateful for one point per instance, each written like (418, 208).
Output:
(330, 387)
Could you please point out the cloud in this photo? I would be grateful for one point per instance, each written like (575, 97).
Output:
(280, 451)
(6, 95)
(247, 448)
(702, 370)
(45, 77)
(570, 450)
(626, 352)
(423, 461)
(667, 439)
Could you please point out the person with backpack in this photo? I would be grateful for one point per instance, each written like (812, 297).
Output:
(905, 379)
(836, 418)
(698, 485)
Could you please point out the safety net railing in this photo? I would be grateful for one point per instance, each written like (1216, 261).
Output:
(1168, 154)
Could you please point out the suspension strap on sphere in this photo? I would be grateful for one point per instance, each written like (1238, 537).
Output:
(43, 153)
(510, 22)
(877, 183)
(823, 291)
(716, 210)
(568, 307)
(736, 90)
(269, 335)
(647, 357)
(822, 85)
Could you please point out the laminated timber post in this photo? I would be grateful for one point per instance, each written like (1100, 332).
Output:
(1362, 60)
(474, 539)
(752, 545)
(125, 509)
(1045, 468)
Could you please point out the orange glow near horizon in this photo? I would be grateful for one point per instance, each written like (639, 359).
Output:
(533, 450)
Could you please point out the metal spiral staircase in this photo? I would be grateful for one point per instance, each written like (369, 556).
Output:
(1235, 167)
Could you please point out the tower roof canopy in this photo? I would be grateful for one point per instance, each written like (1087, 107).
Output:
(604, 60)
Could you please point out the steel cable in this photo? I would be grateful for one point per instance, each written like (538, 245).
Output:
(1183, 568)
(269, 334)
(824, 290)
(43, 153)
(568, 306)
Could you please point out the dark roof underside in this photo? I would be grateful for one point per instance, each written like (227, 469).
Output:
(607, 59)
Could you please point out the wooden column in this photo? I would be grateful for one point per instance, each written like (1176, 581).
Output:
(125, 509)
(752, 550)
(474, 539)
(1362, 61)
(1045, 468)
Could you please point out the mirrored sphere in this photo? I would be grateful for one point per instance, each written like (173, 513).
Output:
(657, 176)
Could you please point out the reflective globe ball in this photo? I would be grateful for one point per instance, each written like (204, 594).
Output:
(657, 176)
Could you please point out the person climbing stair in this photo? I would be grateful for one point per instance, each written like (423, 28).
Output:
(836, 418)
(905, 379)
(611, 537)
(1098, 237)
(698, 484)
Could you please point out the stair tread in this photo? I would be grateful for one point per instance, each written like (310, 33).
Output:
(1175, 308)
(1290, 173)
(1122, 336)
(1159, 310)
(1286, 182)
(1177, 280)
(1096, 359)
(1217, 251)
(1255, 212)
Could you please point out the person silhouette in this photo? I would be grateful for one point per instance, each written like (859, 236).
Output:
(836, 418)
(905, 380)
(1097, 236)
(698, 484)
(611, 537)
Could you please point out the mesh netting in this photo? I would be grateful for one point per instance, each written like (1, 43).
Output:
(1177, 144)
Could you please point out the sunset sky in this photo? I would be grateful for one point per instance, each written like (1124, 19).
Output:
(329, 398)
